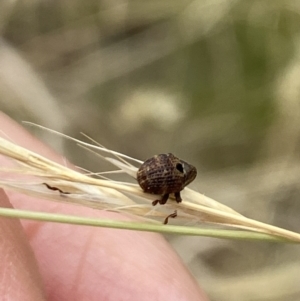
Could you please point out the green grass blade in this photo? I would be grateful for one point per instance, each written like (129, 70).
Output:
(170, 229)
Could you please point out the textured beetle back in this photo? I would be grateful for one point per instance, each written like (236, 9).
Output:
(164, 174)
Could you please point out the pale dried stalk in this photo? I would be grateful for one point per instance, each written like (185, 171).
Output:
(119, 196)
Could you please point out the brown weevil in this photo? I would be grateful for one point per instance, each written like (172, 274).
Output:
(165, 174)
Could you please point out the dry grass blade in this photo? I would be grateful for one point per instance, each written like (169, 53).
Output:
(60, 183)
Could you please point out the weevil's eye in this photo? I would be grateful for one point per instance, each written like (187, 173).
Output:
(179, 167)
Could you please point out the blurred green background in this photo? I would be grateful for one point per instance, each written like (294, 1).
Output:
(216, 82)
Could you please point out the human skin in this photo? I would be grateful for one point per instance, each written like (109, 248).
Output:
(48, 261)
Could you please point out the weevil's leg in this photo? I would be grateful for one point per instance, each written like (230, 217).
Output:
(172, 215)
(178, 197)
(162, 201)
(55, 188)
(155, 202)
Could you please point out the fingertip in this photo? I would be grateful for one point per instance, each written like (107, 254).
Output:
(20, 279)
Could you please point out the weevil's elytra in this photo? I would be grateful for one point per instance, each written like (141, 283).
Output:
(165, 174)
